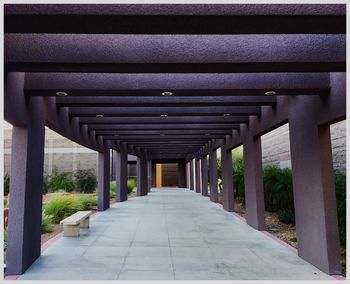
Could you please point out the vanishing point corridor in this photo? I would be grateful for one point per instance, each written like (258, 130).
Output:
(169, 234)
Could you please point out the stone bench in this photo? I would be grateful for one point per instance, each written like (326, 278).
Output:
(73, 223)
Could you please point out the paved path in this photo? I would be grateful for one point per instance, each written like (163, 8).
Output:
(170, 234)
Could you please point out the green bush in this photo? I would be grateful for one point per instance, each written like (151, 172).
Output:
(278, 189)
(62, 206)
(112, 189)
(131, 185)
(88, 202)
(287, 217)
(6, 184)
(340, 189)
(238, 176)
(85, 180)
(46, 226)
(60, 181)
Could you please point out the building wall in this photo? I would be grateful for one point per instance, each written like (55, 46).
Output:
(276, 148)
(60, 153)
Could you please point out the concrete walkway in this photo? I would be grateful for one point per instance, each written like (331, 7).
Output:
(170, 234)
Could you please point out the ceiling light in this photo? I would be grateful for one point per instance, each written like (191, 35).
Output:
(270, 93)
(163, 115)
(167, 94)
(61, 94)
(99, 115)
(226, 114)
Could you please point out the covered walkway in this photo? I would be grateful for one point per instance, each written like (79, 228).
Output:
(170, 234)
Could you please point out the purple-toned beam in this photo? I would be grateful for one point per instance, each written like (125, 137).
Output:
(198, 176)
(184, 53)
(204, 169)
(227, 178)
(213, 171)
(129, 101)
(198, 126)
(129, 138)
(142, 176)
(169, 111)
(169, 120)
(103, 180)
(27, 163)
(184, 131)
(181, 174)
(175, 19)
(212, 84)
(121, 174)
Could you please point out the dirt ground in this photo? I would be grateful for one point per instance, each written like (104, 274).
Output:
(286, 233)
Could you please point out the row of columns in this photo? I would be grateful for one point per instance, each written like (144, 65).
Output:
(27, 165)
(313, 188)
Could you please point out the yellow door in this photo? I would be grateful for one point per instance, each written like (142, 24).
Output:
(159, 175)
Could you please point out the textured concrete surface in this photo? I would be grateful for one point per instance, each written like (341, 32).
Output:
(170, 234)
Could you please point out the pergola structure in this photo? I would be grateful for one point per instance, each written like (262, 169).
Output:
(173, 83)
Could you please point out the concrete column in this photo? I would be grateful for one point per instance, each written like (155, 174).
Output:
(314, 194)
(149, 175)
(103, 180)
(182, 174)
(191, 176)
(198, 176)
(204, 169)
(214, 196)
(227, 179)
(253, 183)
(113, 168)
(141, 176)
(154, 174)
(27, 164)
(121, 174)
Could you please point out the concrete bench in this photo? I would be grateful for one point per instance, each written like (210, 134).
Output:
(73, 223)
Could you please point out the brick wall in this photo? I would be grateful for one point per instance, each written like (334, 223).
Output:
(276, 148)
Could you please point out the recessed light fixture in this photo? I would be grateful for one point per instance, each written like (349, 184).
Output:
(167, 94)
(99, 115)
(61, 94)
(270, 93)
(226, 114)
(163, 115)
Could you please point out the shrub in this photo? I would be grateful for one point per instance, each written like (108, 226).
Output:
(278, 189)
(6, 184)
(88, 202)
(238, 176)
(287, 217)
(46, 183)
(85, 180)
(46, 226)
(340, 189)
(112, 189)
(131, 185)
(58, 181)
(62, 206)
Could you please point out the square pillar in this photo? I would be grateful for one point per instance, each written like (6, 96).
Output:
(154, 174)
(204, 170)
(253, 183)
(314, 194)
(103, 180)
(191, 176)
(26, 183)
(227, 178)
(198, 176)
(121, 174)
(214, 196)
(181, 174)
(149, 176)
(141, 176)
